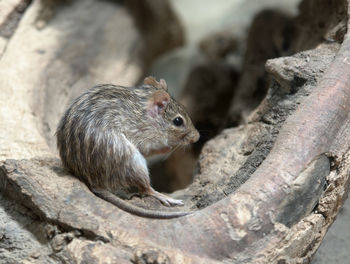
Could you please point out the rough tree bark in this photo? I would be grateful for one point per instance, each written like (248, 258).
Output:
(279, 215)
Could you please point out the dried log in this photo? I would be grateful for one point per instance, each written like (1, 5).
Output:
(269, 219)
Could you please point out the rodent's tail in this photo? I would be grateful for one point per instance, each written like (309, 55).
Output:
(135, 210)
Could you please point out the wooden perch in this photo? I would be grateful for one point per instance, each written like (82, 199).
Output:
(280, 214)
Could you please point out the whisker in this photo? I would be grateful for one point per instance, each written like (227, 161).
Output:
(171, 152)
(186, 147)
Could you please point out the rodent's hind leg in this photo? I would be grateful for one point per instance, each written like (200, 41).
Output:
(164, 199)
(138, 175)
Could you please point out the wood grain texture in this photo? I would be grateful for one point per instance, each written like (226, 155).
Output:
(272, 218)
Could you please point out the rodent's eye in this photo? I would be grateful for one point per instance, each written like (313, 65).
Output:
(178, 121)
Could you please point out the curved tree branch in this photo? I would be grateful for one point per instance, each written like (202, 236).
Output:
(243, 227)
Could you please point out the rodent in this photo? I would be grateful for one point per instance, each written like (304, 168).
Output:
(106, 133)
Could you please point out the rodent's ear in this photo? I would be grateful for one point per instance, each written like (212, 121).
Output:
(151, 81)
(163, 84)
(158, 102)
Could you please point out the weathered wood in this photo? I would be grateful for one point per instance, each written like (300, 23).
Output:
(269, 219)
(10, 14)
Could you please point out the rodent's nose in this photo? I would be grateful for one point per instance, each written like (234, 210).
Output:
(195, 137)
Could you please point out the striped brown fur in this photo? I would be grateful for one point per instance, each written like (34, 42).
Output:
(107, 131)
